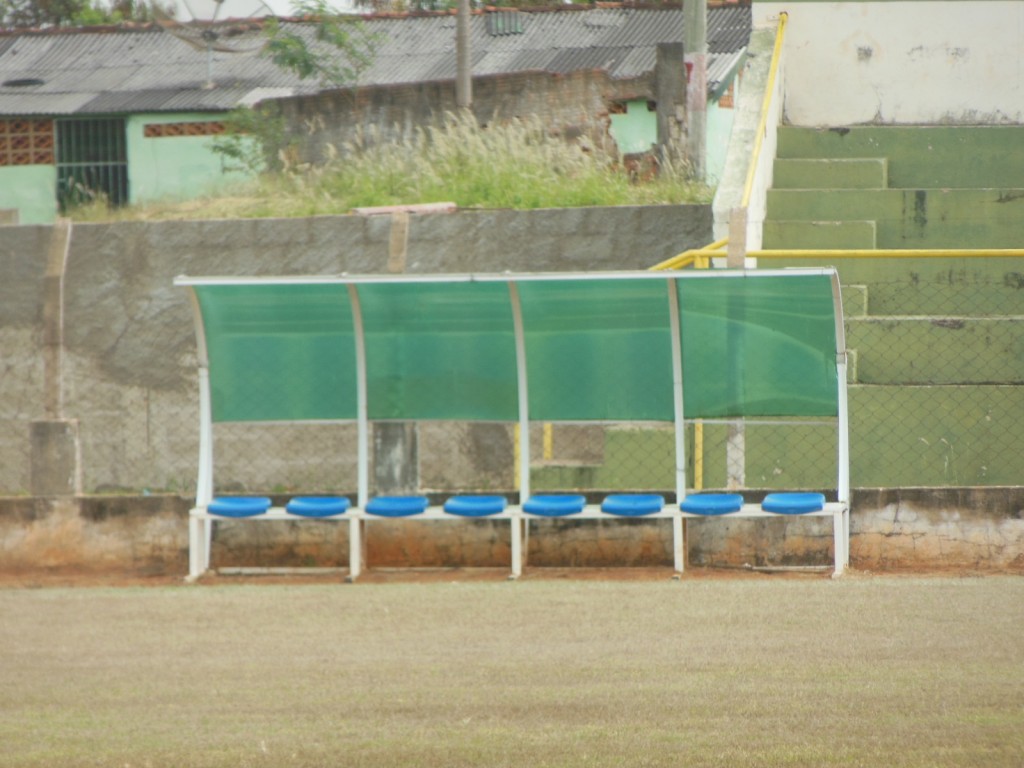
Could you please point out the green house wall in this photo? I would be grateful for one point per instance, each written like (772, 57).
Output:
(172, 167)
(31, 190)
(160, 168)
(637, 131)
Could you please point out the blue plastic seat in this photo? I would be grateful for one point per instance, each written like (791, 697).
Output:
(397, 506)
(475, 506)
(793, 503)
(555, 505)
(239, 506)
(633, 504)
(318, 506)
(712, 503)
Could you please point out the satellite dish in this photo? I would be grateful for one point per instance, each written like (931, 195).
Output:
(224, 26)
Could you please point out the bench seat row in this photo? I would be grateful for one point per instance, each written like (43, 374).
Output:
(536, 507)
(555, 505)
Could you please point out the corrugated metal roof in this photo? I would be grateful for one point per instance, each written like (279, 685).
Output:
(553, 41)
(145, 69)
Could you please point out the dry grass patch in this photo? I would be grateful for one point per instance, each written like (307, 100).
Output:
(747, 672)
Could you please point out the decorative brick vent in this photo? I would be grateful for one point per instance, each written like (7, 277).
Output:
(162, 130)
(26, 142)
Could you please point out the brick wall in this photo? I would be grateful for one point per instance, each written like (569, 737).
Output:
(570, 105)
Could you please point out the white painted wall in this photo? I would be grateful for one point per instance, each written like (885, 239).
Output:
(910, 61)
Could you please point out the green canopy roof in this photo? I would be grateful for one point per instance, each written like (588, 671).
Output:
(595, 346)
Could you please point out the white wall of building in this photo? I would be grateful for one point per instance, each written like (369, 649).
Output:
(909, 61)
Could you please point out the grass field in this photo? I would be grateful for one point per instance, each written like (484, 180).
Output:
(751, 671)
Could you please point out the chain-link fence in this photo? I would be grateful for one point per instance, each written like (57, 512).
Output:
(936, 368)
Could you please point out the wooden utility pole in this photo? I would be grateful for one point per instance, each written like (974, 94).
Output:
(695, 44)
(463, 59)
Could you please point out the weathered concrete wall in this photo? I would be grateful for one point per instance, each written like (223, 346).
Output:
(978, 529)
(119, 341)
(126, 368)
(570, 105)
(945, 61)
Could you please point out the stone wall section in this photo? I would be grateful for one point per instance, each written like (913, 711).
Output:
(569, 105)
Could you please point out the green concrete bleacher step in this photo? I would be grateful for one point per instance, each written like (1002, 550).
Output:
(948, 441)
(919, 156)
(829, 173)
(928, 287)
(914, 218)
(818, 234)
(936, 350)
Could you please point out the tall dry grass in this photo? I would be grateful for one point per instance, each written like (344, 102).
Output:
(510, 165)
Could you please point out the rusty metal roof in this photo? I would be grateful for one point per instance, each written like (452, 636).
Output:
(145, 69)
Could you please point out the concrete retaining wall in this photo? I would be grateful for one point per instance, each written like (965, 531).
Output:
(972, 529)
(119, 366)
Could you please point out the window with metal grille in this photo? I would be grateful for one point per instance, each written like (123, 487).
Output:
(92, 162)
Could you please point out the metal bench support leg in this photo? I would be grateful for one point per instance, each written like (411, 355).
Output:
(678, 544)
(839, 542)
(355, 549)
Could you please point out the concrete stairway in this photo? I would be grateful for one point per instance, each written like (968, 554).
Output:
(897, 187)
(937, 343)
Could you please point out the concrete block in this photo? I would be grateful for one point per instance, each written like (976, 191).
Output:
(957, 287)
(56, 458)
(914, 218)
(903, 435)
(934, 156)
(809, 235)
(937, 350)
(828, 173)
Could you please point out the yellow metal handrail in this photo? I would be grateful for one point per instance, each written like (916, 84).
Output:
(889, 253)
(762, 125)
(696, 257)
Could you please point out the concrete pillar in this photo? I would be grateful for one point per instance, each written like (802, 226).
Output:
(398, 242)
(736, 250)
(395, 454)
(695, 24)
(463, 57)
(53, 319)
(670, 95)
(56, 458)
(395, 458)
(56, 467)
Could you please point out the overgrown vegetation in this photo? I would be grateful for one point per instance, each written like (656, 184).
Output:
(77, 13)
(517, 165)
(332, 33)
(337, 50)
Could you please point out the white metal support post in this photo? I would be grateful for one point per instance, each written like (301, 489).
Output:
(843, 428)
(520, 525)
(356, 558)
(201, 528)
(678, 537)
